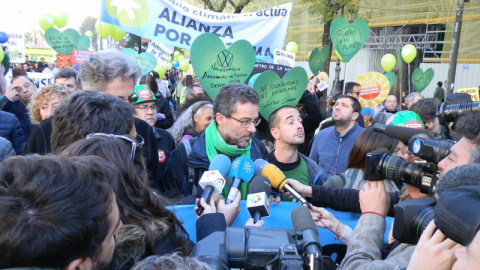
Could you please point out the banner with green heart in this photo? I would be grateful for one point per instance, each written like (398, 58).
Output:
(216, 65)
(64, 43)
(146, 61)
(347, 38)
(317, 59)
(276, 93)
(420, 79)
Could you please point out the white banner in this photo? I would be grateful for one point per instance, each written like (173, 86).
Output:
(160, 51)
(284, 58)
(16, 42)
(40, 79)
(176, 23)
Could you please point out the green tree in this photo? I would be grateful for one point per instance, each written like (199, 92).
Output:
(329, 10)
(135, 42)
(88, 24)
(219, 6)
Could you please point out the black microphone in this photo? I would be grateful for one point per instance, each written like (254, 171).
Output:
(401, 133)
(307, 235)
(450, 112)
(257, 200)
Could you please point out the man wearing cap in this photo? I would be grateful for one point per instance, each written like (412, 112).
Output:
(145, 104)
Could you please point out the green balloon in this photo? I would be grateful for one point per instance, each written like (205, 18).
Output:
(420, 79)
(409, 52)
(160, 70)
(104, 29)
(317, 58)
(169, 66)
(176, 53)
(292, 47)
(388, 62)
(175, 57)
(118, 34)
(60, 18)
(1, 55)
(181, 58)
(46, 21)
(391, 78)
(15, 51)
(169, 59)
(89, 34)
(184, 65)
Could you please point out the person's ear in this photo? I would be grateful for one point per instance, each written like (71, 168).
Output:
(80, 264)
(355, 115)
(220, 119)
(275, 133)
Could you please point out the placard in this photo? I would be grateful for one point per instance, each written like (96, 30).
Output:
(374, 89)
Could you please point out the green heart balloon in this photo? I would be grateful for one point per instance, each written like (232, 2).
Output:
(391, 78)
(420, 79)
(317, 59)
(347, 38)
(146, 61)
(62, 43)
(276, 93)
(83, 43)
(216, 66)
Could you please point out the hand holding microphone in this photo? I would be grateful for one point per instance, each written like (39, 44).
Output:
(257, 200)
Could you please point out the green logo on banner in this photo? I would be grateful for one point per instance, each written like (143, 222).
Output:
(317, 59)
(66, 42)
(146, 61)
(217, 66)
(347, 38)
(391, 78)
(276, 93)
(128, 12)
(420, 79)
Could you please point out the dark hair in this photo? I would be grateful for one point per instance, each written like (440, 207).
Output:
(88, 112)
(439, 83)
(469, 126)
(356, 104)
(151, 83)
(18, 72)
(154, 74)
(349, 86)
(368, 141)
(189, 90)
(138, 204)
(273, 119)
(54, 210)
(230, 94)
(188, 80)
(66, 73)
(381, 117)
(426, 108)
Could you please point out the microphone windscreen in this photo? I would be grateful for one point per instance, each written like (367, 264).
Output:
(260, 184)
(242, 168)
(221, 163)
(302, 220)
(275, 175)
(259, 164)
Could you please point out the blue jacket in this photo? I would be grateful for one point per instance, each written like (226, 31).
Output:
(20, 111)
(331, 151)
(11, 130)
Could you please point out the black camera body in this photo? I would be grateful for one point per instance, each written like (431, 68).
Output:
(411, 219)
(429, 148)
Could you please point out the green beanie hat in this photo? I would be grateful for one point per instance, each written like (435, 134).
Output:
(408, 119)
(142, 94)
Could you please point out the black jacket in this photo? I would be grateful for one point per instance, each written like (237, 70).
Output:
(164, 107)
(20, 111)
(165, 145)
(11, 130)
(39, 142)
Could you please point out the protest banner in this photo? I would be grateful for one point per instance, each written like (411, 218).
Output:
(259, 68)
(472, 91)
(36, 53)
(79, 56)
(284, 58)
(40, 79)
(160, 51)
(176, 23)
(374, 88)
(16, 48)
(348, 39)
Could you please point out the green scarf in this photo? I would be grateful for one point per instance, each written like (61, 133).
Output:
(214, 143)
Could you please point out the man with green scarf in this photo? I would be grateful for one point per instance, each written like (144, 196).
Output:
(231, 133)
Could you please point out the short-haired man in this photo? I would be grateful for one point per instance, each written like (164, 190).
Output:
(67, 77)
(331, 146)
(287, 130)
(353, 89)
(63, 220)
(427, 110)
(439, 93)
(390, 104)
(110, 72)
(411, 99)
(235, 109)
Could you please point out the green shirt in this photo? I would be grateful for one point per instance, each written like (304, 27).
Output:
(297, 170)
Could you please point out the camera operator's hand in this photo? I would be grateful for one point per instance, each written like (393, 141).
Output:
(320, 214)
(299, 187)
(250, 223)
(230, 211)
(207, 208)
(12, 92)
(374, 198)
(276, 200)
(433, 251)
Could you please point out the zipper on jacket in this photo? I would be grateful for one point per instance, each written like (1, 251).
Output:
(336, 159)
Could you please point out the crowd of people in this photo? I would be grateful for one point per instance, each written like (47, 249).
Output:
(92, 163)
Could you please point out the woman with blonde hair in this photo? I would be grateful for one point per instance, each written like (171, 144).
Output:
(45, 101)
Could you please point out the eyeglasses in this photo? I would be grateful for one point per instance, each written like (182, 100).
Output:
(135, 143)
(146, 107)
(246, 123)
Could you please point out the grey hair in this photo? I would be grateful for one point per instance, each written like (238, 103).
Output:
(412, 96)
(475, 155)
(230, 94)
(189, 90)
(170, 262)
(103, 67)
(185, 119)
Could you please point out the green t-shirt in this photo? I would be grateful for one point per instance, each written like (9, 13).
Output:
(299, 173)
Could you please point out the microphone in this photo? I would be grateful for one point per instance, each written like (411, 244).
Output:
(259, 164)
(450, 112)
(307, 235)
(401, 133)
(241, 171)
(257, 200)
(278, 181)
(213, 180)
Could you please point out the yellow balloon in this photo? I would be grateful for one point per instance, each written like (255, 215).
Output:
(1, 55)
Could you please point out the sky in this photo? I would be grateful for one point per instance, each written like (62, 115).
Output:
(22, 15)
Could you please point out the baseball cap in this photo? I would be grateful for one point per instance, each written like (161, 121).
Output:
(142, 94)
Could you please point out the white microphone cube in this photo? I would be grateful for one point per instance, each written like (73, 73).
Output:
(258, 201)
(214, 179)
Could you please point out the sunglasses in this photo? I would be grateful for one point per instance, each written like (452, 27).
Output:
(135, 143)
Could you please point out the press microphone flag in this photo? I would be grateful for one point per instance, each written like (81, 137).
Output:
(240, 172)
